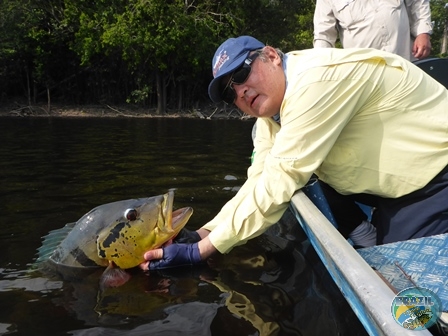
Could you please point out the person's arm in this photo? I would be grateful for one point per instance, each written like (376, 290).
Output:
(325, 25)
(188, 254)
(234, 224)
(421, 27)
(422, 46)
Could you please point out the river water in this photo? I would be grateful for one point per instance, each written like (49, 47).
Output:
(53, 170)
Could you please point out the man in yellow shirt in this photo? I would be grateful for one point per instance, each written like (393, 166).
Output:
(368, 123)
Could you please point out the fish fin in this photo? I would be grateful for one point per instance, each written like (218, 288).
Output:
(51, 241)
(113, 277)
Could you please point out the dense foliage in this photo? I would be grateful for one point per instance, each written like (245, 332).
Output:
(151, 53)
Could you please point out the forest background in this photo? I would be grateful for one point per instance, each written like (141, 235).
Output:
(152, 56)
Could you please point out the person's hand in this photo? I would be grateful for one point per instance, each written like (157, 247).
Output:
(422, 46)
(173, 255)
(186, 236)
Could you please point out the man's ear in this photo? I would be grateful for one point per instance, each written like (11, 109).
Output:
(273, 55)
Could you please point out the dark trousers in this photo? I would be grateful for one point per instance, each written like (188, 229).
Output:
(421, 213)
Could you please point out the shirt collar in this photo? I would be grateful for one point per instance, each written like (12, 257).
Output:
(276, 117)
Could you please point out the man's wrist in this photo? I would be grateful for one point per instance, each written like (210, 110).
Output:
(206, 248)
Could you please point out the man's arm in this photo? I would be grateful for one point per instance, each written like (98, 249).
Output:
(422, 46)
(325, 25)
(188, 254)
(419, 13)
(227, 228)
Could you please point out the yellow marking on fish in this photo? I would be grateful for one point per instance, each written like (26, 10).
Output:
(125, 242)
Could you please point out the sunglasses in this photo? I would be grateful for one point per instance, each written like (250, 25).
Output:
(239, 76)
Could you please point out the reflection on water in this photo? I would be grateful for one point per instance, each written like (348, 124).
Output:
(55, 170)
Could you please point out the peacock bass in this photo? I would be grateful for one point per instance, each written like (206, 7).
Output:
(115, 236)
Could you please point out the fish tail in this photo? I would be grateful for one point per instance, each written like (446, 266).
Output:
(51, 241)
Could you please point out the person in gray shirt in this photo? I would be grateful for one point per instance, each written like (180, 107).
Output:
(402, 27)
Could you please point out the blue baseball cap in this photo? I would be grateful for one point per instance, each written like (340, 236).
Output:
(228, 57)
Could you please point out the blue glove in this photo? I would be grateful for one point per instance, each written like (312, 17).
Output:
(177, 255)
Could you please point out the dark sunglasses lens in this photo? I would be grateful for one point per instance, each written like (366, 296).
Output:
(228, 95)
(240, 76)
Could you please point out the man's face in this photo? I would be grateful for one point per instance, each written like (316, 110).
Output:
(262, 93)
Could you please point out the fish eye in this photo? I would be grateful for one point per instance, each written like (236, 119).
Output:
(131, 214)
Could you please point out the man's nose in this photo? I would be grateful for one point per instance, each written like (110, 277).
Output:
(240, 90)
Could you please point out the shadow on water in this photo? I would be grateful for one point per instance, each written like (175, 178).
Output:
(55, 170)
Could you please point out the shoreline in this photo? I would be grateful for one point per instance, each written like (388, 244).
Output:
(108, 111)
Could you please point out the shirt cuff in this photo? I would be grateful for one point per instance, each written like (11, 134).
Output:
(423, 28)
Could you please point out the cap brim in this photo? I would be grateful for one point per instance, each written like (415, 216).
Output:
(214, 88)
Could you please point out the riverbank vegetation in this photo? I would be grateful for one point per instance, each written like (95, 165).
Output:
(152, 55)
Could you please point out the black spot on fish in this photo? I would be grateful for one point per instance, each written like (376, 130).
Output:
(81, 257)
(114, 234)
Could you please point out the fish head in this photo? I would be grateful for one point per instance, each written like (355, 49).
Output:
(144, 225)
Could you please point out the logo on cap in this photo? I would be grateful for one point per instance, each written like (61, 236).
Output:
(220, 60)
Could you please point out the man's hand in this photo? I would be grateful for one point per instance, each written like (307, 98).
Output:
(422, 46)
(186, 236)
(179, 254)
(173, 255)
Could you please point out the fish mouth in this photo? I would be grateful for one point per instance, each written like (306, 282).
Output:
(180, 217)
(175, 220)
(168, 200)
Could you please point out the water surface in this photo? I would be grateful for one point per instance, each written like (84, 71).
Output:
(54, 170)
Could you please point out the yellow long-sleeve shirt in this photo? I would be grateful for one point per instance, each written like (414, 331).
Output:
(363, 120)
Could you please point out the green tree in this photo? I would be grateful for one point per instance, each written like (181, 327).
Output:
(148, 52)
(34, 47)
(439, 16)
(161, 42)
